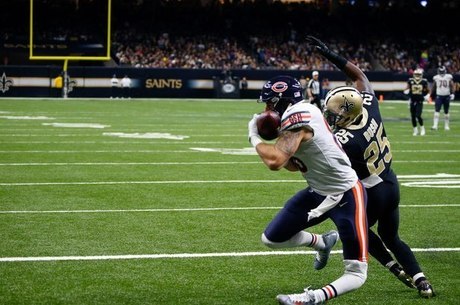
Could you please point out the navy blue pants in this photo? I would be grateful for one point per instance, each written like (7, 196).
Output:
(349, 216)
(383, 210)
(442, 101)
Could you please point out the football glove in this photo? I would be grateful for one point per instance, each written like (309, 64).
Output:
(318, 44)
(452, 96)
(335, 58)
(253, 132)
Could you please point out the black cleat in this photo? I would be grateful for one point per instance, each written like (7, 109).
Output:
(425, 290)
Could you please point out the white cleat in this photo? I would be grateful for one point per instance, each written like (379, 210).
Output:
(422, 130)
(305, 298)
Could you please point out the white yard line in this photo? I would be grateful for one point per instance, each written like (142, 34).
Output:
(148, 182)
(128, 163)
(180, 151)
(196, 209)
(453, 180)
(185, 255)
(179, 163)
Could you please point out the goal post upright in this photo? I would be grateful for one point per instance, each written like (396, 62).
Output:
(67, 58)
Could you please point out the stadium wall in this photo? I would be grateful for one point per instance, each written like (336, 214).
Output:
(38, 81)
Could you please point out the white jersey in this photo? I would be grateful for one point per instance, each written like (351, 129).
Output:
(114, 82)
(322, 161)
(443, 84)
(126, 82)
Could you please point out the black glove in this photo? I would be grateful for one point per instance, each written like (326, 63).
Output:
(335, 58)
(318, 44)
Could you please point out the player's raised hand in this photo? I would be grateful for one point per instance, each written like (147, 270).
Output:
(335, 58)
(318, 44)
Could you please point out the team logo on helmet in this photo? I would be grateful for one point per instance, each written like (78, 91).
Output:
(279, 87)
(347, 105)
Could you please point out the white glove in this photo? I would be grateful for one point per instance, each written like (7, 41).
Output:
(427, 97)
(452, 96)
(253, 133)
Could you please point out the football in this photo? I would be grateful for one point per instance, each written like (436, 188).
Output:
(268, 124)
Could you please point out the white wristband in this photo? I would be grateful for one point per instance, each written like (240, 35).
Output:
(255, 140)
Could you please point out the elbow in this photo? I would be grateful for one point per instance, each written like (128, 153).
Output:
(274, 165)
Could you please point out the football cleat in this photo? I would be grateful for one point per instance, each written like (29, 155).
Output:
(305, 298)
(403, 277)
(434, 128)
(422, 130)
(330, 239)
(425, 290)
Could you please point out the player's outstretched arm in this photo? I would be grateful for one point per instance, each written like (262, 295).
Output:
(350, 69)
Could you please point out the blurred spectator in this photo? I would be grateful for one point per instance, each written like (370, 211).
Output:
(115, 84)
(126, 86)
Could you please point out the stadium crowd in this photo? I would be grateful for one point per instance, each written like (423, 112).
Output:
(202, 52)
(261, 35)
(396, 36)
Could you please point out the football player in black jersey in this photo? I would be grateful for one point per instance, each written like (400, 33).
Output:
(418, 90)
(354, 114)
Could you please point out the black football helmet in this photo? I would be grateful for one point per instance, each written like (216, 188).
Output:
(442, 70)
(280, 92)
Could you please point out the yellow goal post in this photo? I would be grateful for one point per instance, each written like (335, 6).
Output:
(68, 58)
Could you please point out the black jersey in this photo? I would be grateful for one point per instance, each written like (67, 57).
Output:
(417, 89)
(366, 144)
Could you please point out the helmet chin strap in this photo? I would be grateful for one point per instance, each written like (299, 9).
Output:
(357, 120)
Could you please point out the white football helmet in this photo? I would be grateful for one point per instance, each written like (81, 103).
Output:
(442, 70)
(343, 106)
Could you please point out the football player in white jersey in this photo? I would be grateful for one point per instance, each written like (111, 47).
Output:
(443, 88)
(306, 144)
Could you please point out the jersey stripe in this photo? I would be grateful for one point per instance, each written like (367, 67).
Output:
(296, 119)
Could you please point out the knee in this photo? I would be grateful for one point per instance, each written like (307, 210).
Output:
(357, 270)
(267, 242)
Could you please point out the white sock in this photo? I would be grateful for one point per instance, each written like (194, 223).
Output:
(417, 276)
(436, 119)
(301, 239)
(446, 120)
(354, 277)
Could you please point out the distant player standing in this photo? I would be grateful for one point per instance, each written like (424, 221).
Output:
(443, 88)
(418, 90)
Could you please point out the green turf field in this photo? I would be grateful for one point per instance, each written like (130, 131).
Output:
(164, 202)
